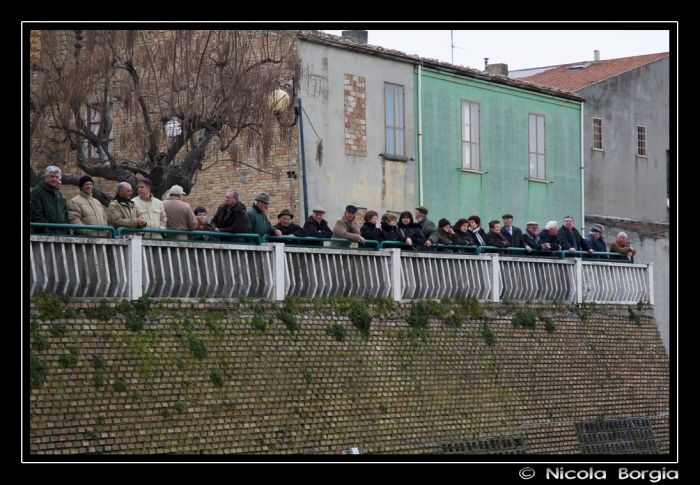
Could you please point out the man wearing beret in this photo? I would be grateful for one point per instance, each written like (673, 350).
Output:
(346, 228)
(427, 226)
(513, 234)
(85, 210)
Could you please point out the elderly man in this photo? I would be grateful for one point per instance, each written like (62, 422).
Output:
(46, 203)
(531, 238)
(514, 235)
(285, 224)
(426, 225)
(622, 246)
(594, 242)
(84, 209)
(570, 239)
(316, 226)
(179, 213)
(150, 208)
(346, 228)
(549, 238)
(230, 216)
(122, 211)
(257, 221)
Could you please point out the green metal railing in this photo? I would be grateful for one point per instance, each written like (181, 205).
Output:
(375, 245)
(57, 227)
(252, 239)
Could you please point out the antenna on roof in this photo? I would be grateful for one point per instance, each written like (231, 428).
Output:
(452, 44)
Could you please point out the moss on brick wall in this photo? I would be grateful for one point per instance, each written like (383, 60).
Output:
(210, 378)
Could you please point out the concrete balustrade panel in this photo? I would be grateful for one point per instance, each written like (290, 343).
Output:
(537, 279)
(615, 283)
(206, 270)
(314, 273)
(91, 268)
(435, 275)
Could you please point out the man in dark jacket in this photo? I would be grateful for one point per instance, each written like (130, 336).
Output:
(531, 239)
(548, 236)
(230, 216)
(514, 235)
(287, 227)
(257, 221)
(316, 226)
(46, 203)
(570, 239)
(427, 226)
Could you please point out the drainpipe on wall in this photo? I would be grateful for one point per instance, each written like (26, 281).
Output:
(303, 161)
(582, 174)
(420, 137)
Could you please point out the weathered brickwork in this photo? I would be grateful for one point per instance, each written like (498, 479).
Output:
(310, 393)
(355, 109)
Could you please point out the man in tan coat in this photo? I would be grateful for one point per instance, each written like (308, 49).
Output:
(179, 213)
(346, 228)
(85, 210)
(150, 208)
(121, 211)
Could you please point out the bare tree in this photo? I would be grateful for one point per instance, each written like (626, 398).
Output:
(157, 103)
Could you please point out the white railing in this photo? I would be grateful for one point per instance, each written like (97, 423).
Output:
(96, 268)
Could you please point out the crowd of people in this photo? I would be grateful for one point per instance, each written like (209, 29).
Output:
(412, 229)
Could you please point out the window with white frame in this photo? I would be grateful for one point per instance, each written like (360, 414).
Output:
(470, 136)
(94, 121)
(536, 148)
(641, 141)
(394, 119)
(598, 133)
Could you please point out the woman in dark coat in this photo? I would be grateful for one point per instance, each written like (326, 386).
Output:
(371, 229)
(464, 237)
(475, 230)
(390, 232)
(410, 231)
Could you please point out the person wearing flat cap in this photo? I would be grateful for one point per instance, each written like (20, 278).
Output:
(316, 226)
(346, 228)
(426, 225)
(85, 210)
(514, 235)
(257, 221)
(286, 226)
(179, 213)
(594, 242)
(532, 238)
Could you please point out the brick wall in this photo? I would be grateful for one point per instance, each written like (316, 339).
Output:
(355, 109)
(309, 393)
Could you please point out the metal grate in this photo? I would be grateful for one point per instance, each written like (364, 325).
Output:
(501, 445)
(625, 436)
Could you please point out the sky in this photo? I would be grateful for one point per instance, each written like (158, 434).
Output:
(522, 49)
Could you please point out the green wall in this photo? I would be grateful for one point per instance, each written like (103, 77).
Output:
(502, 186)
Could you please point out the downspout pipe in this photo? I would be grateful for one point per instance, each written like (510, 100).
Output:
(420, 135)
(303, 160)
(582, 174)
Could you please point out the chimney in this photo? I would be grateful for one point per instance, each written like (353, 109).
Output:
(486, 62)
(501, 69)
(596, 56)
(356, 36)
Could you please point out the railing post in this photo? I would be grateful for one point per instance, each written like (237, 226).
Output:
(495, 279)
(650, 272)
(135, 264)
(278, 289)
(395, 265)
(578, 271)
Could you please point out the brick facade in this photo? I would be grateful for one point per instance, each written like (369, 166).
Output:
(355, 110)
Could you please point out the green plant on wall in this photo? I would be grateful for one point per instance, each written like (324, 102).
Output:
(525, 319)
(633, 316)
(360, 317)
(37, 371)
(308, 377)
(455, 321)
(40, 343)
(98, 361)
(58, 330)
(288, 318)
(98, 380)
(337, 331)
(119, 385)
(488, 335)
(216, 378)
(198, 348)
(49, 305)
(549, 325)
(134, 323)
(70, 359)
(103, 313)
(383, 408)
(259, 323)
(180, 407)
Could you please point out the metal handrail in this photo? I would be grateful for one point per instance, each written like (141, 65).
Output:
(50, 225)
(269, 237)
(254, 238)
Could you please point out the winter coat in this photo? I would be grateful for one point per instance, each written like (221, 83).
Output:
(552, 240)
(346, 230)
(481, 233)
(122, 214)
(535, 242)
(429, 230)
(200, 237)
(370, 231)
(496, 239)
(233, 221)
(623, 249)
(47, 205)
(86, 210)
(291, 230)
(152, 209)
(313, 229)
(180, 217)
(391, 233)
(412, 231)
(447, 239)
(566, 239)
(258, 223)
(597, 245)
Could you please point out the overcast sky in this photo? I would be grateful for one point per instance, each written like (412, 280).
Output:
(522, 49)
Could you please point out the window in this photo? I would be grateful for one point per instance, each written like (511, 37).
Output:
(641, 141)
(94, 119)
(394, 120)
(470, 136)
(536, 146)
(597, 133)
